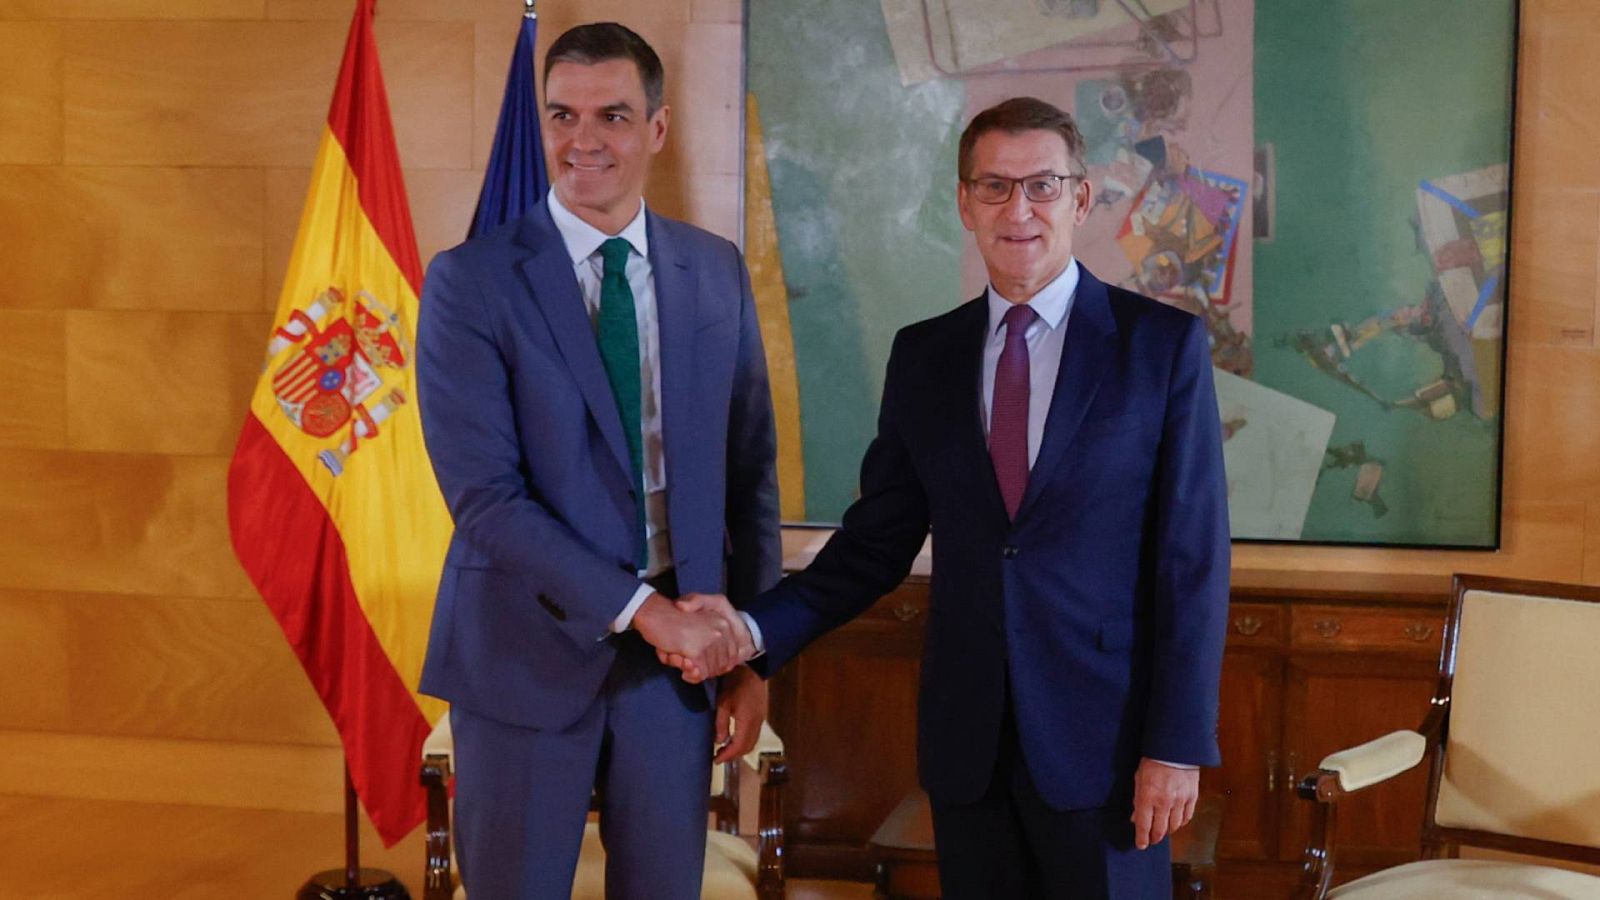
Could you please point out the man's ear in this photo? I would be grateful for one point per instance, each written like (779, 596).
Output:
(658, 128)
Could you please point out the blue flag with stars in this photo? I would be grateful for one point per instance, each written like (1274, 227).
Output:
(516, 179)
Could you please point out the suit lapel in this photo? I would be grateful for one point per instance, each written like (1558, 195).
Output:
(676, 305)
(548, 271)
(1085, 357)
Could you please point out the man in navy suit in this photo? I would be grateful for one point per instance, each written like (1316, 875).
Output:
(1060, 437)
(595, 403)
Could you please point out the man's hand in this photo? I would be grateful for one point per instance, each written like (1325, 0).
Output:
(718, 605)
(742, 700)
(1163, 800)
(702, 641)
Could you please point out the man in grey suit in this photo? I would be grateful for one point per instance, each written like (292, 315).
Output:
(594, 398)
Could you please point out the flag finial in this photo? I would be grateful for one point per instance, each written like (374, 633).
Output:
(527, 6)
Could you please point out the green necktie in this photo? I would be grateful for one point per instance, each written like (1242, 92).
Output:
(619, 351)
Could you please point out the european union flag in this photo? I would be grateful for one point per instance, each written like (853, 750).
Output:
(516, 179)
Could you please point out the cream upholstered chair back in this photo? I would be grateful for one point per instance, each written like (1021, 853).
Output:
(1520, 752)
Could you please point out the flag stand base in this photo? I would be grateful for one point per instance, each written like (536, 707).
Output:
(334, 884)
(352, 882)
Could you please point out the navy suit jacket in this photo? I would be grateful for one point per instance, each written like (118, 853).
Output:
(526, 441)
(1102, 607)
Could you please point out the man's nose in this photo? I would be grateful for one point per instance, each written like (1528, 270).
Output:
(1018, 208)
(586, 138)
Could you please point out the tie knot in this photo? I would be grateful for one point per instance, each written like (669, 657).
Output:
(614, 253)
(1017, 320)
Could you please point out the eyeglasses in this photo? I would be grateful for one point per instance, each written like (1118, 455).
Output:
(1041, 188)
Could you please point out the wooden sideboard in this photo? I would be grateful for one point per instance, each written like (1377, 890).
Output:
(1315, 662)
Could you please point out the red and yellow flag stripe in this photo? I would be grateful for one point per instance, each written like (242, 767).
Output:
(333, 507)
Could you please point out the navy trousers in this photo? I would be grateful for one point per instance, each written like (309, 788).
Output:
(522, 794)
(1011, 845)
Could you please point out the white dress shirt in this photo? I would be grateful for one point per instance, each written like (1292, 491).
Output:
(1045, 338)
(583, 242)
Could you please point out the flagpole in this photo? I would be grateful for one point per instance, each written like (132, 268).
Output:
(352, 882)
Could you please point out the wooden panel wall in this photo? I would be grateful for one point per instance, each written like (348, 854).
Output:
(153, 161)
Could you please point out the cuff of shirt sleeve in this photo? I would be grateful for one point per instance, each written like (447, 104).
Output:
(1173, 765)
(624, 619)
(755, 634)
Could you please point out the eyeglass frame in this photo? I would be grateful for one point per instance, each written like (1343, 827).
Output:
(1012, 183)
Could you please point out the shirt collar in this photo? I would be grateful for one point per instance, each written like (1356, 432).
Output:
(582, 239)
(1051, 303)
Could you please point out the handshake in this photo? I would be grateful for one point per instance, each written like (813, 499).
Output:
(700, 634)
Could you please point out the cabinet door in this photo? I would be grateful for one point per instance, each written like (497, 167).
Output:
(1349, 693)
(846, 711)
(1249, 731)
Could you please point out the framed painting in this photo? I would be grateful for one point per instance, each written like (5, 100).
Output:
(1327, 184)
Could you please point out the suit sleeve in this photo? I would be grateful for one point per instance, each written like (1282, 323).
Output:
(1193, 551)
(752, 464)
(870, 554)
(470, 429)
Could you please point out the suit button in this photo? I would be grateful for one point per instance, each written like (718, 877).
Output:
(1009, 552)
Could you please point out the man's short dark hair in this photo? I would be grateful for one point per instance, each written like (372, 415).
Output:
(597, 42)
(1017, 115)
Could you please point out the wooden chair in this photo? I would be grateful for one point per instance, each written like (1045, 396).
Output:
(734, 870)
(1511, 738)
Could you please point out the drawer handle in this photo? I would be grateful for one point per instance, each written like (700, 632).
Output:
(1247, 625)
(1419, 631)
(1327, 627)
(905, 612)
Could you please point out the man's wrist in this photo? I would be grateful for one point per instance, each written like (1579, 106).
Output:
(756, 640)
(624, 619)
(651, 610)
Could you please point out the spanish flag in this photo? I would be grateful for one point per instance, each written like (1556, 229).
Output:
(332, 503)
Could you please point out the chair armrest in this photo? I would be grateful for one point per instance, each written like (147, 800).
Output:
(441, 741)
(774, 771)
(1376, 761)
(1341, 773)
(767, 742)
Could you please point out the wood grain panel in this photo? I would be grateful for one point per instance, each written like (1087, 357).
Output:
(1553, 438)
(1591, 545)
(204, 669)
(717, 11)
(117, 523)
(131, 238)
(206, 773)
(1248, 732)
(442, 201)
(405, 10)
(132, 9)
(33, 639)
(156, 382)
(1556, 128)
(1415, 633)
(491, 59)
(1542, 540)
(30, 105)
(709, 201)
(1547, 16)
(256, 93)
(74, 849)
(33, 379)
(1553, 274)
(707, 101)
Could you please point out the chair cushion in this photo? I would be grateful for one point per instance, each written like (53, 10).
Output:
(1470, 879)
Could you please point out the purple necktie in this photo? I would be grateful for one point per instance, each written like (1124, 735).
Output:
(1008, 412)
